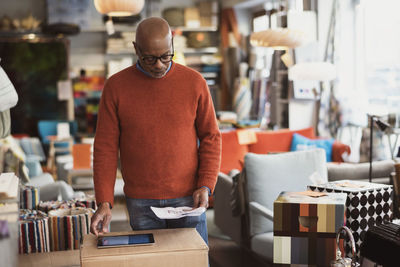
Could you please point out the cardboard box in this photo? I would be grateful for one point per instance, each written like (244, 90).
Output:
(209, 21)
(367, 204)
(305, 227)
(296, 212)
(192, 17)
(309, 250)
(173, 247)
(208, 7)
(49, 259)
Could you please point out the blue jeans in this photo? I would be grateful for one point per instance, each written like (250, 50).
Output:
(143, 218)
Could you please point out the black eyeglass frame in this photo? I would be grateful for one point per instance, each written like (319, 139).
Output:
(155, 58)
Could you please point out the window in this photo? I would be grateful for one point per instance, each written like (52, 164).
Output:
(377, 62)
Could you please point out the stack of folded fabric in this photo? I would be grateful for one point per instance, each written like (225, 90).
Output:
(68, 226)
(47, 206)
(33, 232)
(29, 197)
(88, 201)
(85, 202)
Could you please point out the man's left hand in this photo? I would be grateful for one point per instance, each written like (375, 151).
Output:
(200, 198)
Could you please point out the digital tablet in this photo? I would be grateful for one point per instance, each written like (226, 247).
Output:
(125, 240)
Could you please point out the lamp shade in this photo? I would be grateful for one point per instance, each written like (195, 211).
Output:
(119, 8)
(279, 38)
(312, 71)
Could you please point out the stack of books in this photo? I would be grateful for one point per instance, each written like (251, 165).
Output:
(9, 203)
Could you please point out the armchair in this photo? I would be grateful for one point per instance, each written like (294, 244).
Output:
(263, 178)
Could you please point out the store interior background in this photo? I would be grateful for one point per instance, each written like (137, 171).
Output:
(363, 49)
(364, 56)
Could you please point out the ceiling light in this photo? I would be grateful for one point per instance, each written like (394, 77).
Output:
(279, 38)
(119, 8)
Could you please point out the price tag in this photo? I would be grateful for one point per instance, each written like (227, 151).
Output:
(246, 137)
(350, 185)
(312, 194)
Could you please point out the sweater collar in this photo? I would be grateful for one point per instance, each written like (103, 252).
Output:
(148, 74)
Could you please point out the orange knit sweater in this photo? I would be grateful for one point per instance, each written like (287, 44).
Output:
(154, 124)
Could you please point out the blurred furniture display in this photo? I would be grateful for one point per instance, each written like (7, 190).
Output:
(49, 128)
(13, 159)
(267, 142)
(58, 140)
(57, 145)
(82, 162)
(263, 178)
(32, 147)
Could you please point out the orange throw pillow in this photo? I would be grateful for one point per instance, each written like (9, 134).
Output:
(232, 152)
(280, 140)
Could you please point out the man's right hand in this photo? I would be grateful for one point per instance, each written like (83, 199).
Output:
(101, 219)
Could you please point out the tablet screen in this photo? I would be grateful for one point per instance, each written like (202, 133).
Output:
(125, 240)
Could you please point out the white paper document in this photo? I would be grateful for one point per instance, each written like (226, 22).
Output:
(176, 213)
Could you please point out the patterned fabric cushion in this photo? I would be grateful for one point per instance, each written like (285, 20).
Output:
(268, 175)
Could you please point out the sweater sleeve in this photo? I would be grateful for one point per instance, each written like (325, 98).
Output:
(210, 140)
(106, 146)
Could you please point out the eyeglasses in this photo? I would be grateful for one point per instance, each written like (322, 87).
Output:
(151, 60)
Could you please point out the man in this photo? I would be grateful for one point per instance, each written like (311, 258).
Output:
(160, 116)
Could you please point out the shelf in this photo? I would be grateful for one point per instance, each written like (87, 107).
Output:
(209, 75)
(131, 28)
(209, 50)
(123, 53)
(197, 29)
(117, 28)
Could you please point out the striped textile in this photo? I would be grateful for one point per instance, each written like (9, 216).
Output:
(68, 226)
(29, 197)
(87, 202)
(242, 99)
(33, 232)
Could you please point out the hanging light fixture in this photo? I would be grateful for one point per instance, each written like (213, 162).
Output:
(279, 38)
(119, 8)
(312, 71)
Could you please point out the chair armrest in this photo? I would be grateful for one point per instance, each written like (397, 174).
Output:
(262, 210)
(338, 149)
(223, 218)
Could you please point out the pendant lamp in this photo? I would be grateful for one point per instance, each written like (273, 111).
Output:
(312, 71)
(119, 8)
(278, 38)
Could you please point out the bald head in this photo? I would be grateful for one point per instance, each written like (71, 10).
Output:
(154, 44)
(153, 31)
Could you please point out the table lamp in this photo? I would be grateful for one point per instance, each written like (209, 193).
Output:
(382, 126)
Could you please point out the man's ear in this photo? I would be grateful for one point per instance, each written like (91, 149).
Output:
(134, 45)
